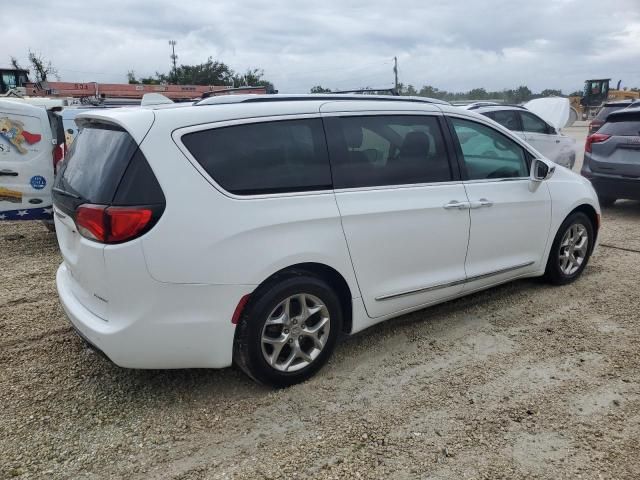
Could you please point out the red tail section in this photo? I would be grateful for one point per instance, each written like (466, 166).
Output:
(31, 138)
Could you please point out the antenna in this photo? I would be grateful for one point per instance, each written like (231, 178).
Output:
(174, 57)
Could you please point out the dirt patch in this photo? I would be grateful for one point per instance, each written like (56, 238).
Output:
(521, 381)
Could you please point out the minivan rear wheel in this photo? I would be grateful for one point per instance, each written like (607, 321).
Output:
(288, 330)
(571, 249)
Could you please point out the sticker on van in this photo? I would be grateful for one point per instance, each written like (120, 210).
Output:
(14, 132)
(38, 182)
(12, 196)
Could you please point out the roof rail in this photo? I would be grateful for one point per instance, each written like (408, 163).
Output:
(282, 97)
(484, 105)
(370, 91)
(227, 91)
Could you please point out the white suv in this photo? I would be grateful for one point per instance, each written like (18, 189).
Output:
(546, 139)
(256, 229)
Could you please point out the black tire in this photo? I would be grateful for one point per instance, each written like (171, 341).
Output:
(248, 350)
(49, 225)
(554, 273)
(606, 201)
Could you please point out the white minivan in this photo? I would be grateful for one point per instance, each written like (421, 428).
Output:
(31, 144)
(257, 229)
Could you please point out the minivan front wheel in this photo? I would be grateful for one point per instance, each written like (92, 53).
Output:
(571, 249)
(288, 330)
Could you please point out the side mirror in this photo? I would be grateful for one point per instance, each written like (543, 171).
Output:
(540, 170)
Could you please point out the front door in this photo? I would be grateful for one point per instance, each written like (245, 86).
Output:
(404, 211)
(26, 162)
(510, 216)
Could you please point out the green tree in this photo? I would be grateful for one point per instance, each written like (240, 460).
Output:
(319, 89)
(253, 77)
(208, 73)
(410, 90)
(477, 94)
(431, 92)
(550, 92)
(522, 94)
(131, 77)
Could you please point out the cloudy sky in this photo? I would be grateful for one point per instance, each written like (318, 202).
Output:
(450, 44)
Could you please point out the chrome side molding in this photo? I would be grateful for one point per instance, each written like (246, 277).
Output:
(454, 283)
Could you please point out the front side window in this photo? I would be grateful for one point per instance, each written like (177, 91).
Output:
(488, 154)
(260, 158)
(506, 118)
(531, 123)
(387, 150)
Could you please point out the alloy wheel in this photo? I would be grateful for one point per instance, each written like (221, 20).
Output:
(573, 249)
(295, 332)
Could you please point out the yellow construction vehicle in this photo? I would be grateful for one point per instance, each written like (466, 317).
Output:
(595, 93)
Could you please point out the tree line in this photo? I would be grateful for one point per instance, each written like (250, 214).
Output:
(515, 95)
(211, 72)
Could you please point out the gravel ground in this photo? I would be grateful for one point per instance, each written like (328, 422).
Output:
(521, 381)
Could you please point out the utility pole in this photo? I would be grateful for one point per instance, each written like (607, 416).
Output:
(395, 72)
(174, 57)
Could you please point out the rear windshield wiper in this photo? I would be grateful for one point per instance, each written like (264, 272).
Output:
(66, 194)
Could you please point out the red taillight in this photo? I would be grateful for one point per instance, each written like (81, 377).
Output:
(595, 138)
(58, 155)
(112, 224)
(126, 222)
(90, 220)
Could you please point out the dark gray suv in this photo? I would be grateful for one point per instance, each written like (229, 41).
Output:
(612, 157)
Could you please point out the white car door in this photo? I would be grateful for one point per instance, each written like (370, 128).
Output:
(26, 162)
(510, 217)
(403, 207)
(543, 137)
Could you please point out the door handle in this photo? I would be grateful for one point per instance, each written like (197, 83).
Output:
(557, 141)
(483, 202)
(8, 173)
(454, 204)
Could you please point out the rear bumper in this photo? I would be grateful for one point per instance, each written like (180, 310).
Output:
(171, 326)
(616, 187)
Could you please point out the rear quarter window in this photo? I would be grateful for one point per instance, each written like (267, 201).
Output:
(262, 158)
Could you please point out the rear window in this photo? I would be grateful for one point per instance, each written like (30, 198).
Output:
(605, 111)
(96, 162)
(260, 158)
(627, 125)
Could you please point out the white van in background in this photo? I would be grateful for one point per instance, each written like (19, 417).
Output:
(31, 145)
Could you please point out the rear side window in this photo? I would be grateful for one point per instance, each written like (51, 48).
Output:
(261, 158)
(507, 118)
(387, 150)
(625, 126)
(531, 123)
(96, 162)
(605, 111)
